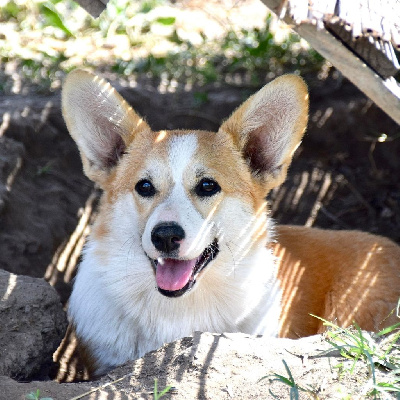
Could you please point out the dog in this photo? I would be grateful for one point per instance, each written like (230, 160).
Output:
(183, 241)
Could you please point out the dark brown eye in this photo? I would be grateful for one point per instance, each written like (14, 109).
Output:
(145, 188)
(207, 187)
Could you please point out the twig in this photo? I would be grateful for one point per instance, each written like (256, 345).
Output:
(359, 197)
(81, 396)
(333, 217)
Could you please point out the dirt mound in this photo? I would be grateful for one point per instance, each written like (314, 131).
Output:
(222, 366)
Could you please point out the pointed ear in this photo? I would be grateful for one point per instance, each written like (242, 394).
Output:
(269, 126)
(99, 120)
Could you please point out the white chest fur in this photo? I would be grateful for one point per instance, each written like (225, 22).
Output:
(119, 314)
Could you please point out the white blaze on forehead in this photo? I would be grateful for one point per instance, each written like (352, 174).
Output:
(180, 153)
(177, 206)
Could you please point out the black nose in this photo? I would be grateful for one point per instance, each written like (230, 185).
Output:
(166, 236)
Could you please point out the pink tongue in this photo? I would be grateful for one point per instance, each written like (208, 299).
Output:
(174, 274)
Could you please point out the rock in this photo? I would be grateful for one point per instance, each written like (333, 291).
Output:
(33, 324)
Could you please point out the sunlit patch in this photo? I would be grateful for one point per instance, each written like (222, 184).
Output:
(382, 138)
(161, 136)
(205, 227)
(66, 257)
(291, 283)
(107, 88)
(364, 274)
(256, 228)
(326, 184)
(5, 123)
(12, 282)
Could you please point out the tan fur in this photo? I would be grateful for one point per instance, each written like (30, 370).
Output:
(341, 276)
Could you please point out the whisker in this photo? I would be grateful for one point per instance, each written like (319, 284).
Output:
(233, 258)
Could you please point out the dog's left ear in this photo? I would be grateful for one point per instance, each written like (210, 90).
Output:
(269, 126)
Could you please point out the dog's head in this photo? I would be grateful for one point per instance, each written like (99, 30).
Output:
(196, 198)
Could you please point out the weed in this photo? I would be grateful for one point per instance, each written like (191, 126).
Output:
(294, 388)
(379, 350)
(45, 169)
(157, 395)
(36, 396)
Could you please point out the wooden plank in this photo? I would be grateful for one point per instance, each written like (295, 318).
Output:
(363, 27)
(385, 93)
(93, 7)
(375, 52)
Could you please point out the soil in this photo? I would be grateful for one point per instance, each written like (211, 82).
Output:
(222, 366)
(345, 175)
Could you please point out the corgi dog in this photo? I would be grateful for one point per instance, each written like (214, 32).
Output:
(183, 241)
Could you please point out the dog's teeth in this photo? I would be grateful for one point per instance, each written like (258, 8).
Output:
(160, 260)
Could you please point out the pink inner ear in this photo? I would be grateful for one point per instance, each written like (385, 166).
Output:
(256, 152)
(270, 125)
(114, 153)
(107, 146)
(267, 143)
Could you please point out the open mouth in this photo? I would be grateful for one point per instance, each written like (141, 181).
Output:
(175, 277)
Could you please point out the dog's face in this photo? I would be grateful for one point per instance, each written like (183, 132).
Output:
(193, 200)
(184, 190)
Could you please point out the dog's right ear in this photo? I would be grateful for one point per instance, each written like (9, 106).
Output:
(99, 120)
(269, 126)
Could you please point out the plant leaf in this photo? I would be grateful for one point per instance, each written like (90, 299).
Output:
(53, 19)
(388, 329)
(166, 20)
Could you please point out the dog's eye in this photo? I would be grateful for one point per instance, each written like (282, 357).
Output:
(145, 188)
(207, 187)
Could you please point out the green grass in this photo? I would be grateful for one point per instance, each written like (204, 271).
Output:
(379, 350)
(375, 351)
(241, 56)
(250, 55)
